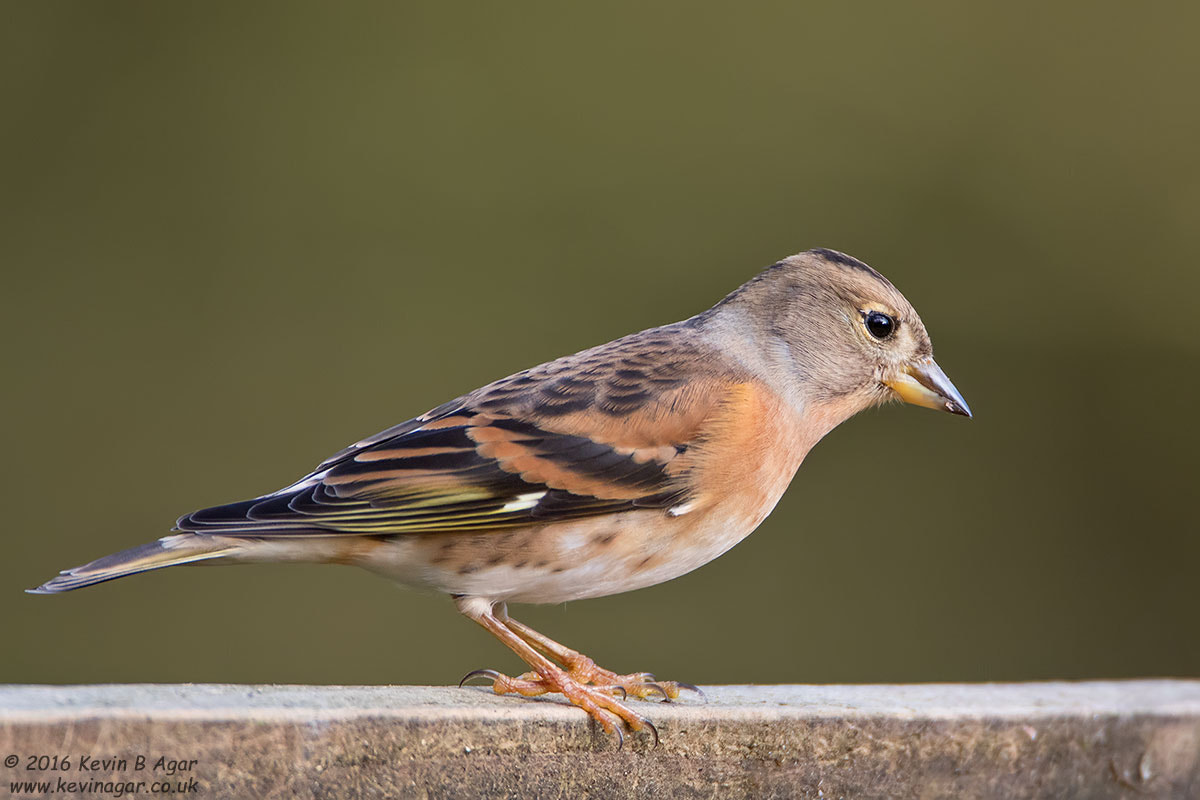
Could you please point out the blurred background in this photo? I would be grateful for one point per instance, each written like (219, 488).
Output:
(237, 237)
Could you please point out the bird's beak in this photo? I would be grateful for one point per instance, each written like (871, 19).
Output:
(924, 384)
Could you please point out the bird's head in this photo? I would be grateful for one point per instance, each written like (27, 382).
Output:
(849, 337)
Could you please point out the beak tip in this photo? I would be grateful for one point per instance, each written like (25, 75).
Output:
(960, 408)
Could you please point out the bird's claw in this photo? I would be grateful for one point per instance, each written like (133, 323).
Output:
(480, 673)
(653, 730)
(691, 687)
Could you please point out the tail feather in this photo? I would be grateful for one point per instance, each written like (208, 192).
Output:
(182, 548)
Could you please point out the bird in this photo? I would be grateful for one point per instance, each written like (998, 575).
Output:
(615, 468)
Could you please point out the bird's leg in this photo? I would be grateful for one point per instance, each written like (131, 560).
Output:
(583, 669)
(597, 701)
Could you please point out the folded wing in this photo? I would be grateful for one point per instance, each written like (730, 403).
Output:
(604, 431)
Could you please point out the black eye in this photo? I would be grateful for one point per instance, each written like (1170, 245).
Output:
(880, 325)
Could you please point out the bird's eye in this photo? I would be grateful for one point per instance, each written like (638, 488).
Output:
(879, 325)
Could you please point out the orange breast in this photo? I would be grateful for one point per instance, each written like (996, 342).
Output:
(751, 448)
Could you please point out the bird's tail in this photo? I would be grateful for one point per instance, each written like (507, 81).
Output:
(183, 548)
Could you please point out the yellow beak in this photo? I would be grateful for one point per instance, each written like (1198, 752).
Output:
(924, 384)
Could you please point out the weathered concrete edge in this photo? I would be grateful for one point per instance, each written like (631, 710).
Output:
(1088, 740)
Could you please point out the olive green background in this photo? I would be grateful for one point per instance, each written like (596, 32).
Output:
(236, 237)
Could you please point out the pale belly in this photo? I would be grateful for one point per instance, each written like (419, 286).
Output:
(562, 561)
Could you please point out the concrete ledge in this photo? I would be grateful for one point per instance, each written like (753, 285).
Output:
(1061, 740)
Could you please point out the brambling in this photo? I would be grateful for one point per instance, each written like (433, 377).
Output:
(612, 469)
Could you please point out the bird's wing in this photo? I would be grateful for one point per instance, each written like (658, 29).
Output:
(605, 430)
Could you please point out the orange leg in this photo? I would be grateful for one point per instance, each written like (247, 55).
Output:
(583, 669)
(547, 677)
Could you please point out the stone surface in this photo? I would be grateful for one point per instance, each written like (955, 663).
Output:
(1061, 740)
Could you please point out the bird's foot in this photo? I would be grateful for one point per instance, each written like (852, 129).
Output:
(598, 701)
(557, 669)
(641, 685)
(638, 685)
